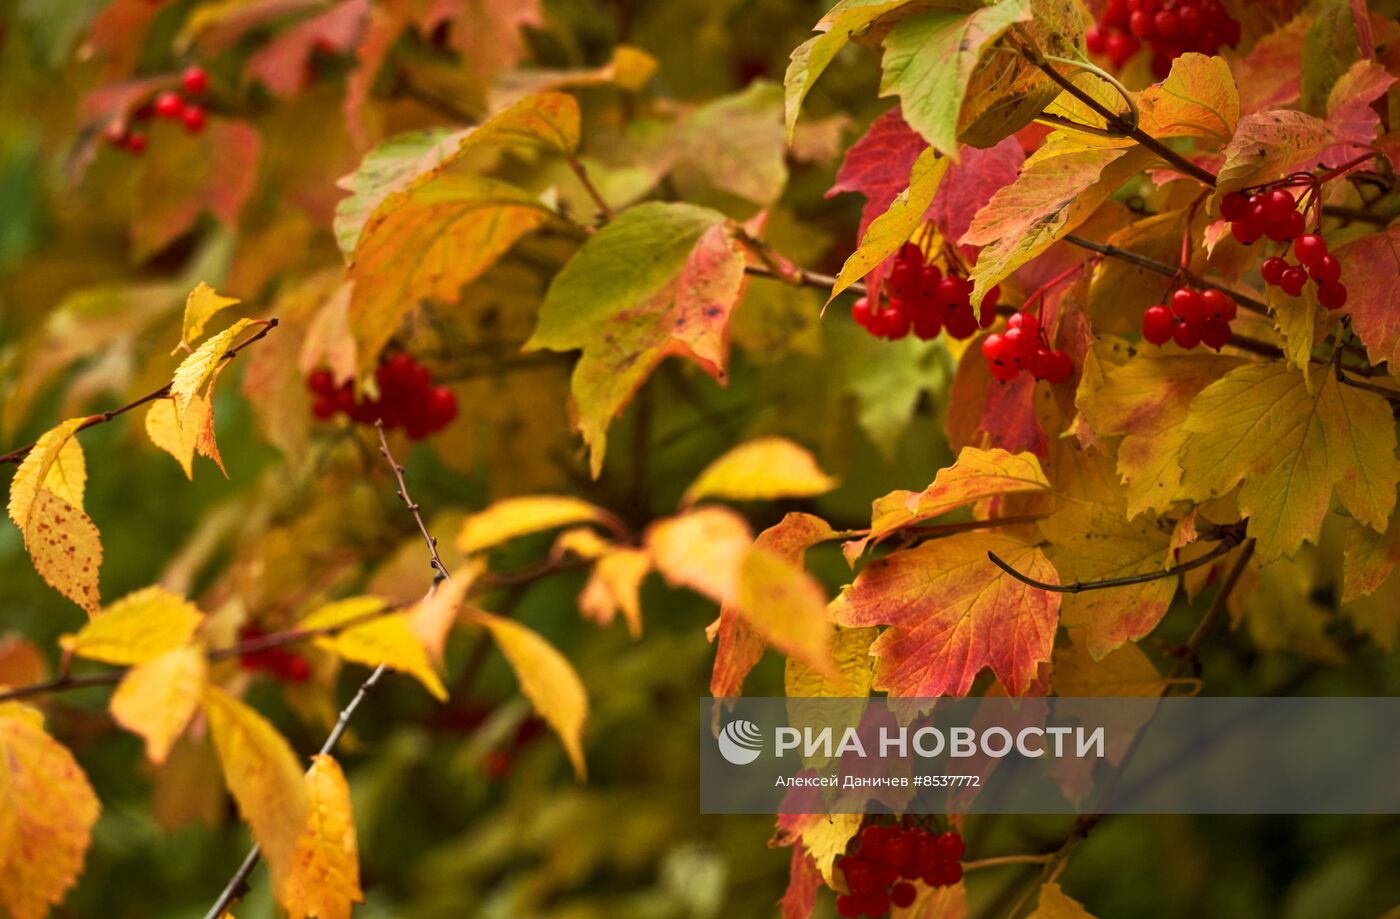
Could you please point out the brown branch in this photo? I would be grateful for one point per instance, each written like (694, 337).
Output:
(1162, 268)
(1229, 542)
(598, 200)
(1193, 644)
(802, 277)
(1354, 213)
(19, 453)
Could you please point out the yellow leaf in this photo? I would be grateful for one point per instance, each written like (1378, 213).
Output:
(373, 640)
(1197, 99)
(1125, 672)
(1257, 427)
(701, 549)
(431, 619)
(139, 627)
(546, 678)
(42, 468)
(893, 228)
(514, 517)
(827, 837)
(325, 872)
(769, 467)
(200, 307)
(787, 607)
(198, 369)
(164, 429)
(1054, 904)
(66, 549)
(262, 773)
(157, 699)
(614, 584)
(47, 811)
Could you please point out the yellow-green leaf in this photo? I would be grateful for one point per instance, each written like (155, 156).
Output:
(157, 699)
(47, 811)
(546, 678)
(1259, 428)
(137, 628)
(263, 774)
(201, 305)
(512, 517)
(812, 57)
(893, 228)
(324, 879)
(762, 469)
(372, 640)
(196, 370)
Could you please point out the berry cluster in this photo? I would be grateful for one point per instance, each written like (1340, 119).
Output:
(1170, 29)
(925, 300)
(1194, 317)
(879, 872)
(169, 105)
(1271, 213)
(1313, 260)
(278, 661)
(407, 398)
(1023, 347)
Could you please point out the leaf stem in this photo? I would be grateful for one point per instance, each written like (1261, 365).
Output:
(598, 200)
(1229, 542)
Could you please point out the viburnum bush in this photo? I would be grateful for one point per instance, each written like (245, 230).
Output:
(554, 363)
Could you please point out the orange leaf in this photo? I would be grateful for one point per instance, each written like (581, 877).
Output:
(952, 612)
(325, 873)
(701, 549)
(47, 811)
(157, 699)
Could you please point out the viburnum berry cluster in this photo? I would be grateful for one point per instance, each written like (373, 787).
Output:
(1313, 261)
(169, 105)
(1023, 346)
(1269, 213)
(887, 859)
(407, 398)
(1194, 317)
(277, 661)
(1170, 29)
(925, 300)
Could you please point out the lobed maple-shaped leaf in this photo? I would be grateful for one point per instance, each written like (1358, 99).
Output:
(811, 58)
(1373, 282)
(546, 678)
(324, 877)
(1369, 560)
(761, 469)
(930, 59)
(1268, 76)
(157, 698)
(735, 144)
(1197, 99)
(1338, 35)
(1145, 400)
(511, 517)
(283, 63)
(951, 612)
(215, 171)
(263, 775)
(368, 638)
(1288, 450)
(548, 121)
(428, 241)
(662, 279)
(139, 627)
(47, 812)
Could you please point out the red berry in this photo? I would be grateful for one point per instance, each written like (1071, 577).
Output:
(295, 669)
(1019, 346)
(899, 850)
(903, 894)
(136, 142)
(1326, 270)
(927, 326)
(1272, 270)
(1190, 22)
(895, 321)
(193, 117)
(442, 406)
(948, 292)
(1158, 325)
(848, 906)
(1245, 232)
(860, 312)
(1215, 333)
(1116, 14)
(1294, 226)
(1333, 296)
(321, 382)
(1004, 370)
(1186, 303)
(195, 80)
(1293, 281)
(1216, 304)
(993, 347)
(169, 105)
(1231, 32)
(1278, 204)
(1120, 46)
(1026, 322)
(1234, 206)
(1187, 335)
(859, 877)
(1094, 41)
(875, 903)
(1166, 24)
(1309, 248)
(1140, 24)
(960, 323)
(323, 407)
(1058, 369)
(951, 845)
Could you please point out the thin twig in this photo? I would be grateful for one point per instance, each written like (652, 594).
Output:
(1213, 614)
(802, 276)
(598, 200)
(1162, 268)
(19, 453)
(1080, 586)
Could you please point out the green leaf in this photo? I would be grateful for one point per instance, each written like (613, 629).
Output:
(813, 56)
(930, 58)
(1329, 48)
(661, 279)
(736, 144)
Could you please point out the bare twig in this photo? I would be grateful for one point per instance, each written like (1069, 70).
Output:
(598, 200)
(802, 276)
(1229, 542)
(1213, 613)
(19, 453)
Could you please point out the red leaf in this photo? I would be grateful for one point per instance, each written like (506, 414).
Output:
(283, 63)
(1372, 275)
(803, 883)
